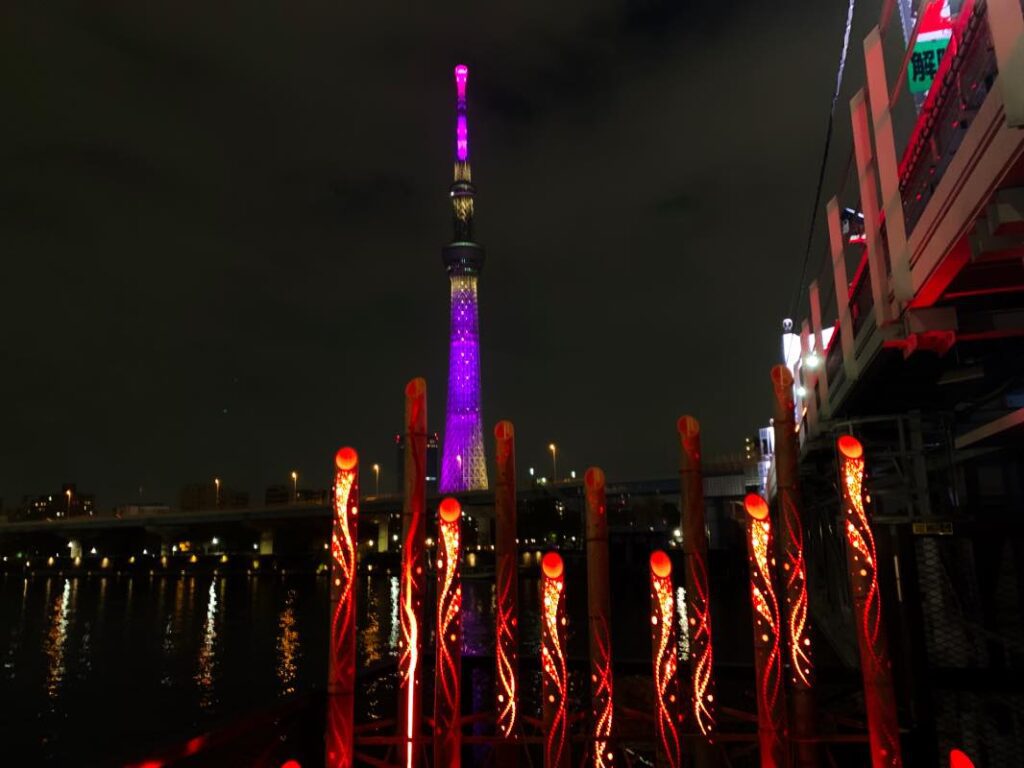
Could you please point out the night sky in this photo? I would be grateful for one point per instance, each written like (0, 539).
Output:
(221, 228)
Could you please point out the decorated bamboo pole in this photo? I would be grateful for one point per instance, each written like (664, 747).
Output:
(554, 675)
(341, 664)
(771, 703)
(448, 664)
(695, 554)
(599, 603)
(794, 569)
(862, 565)
(507, 621)
(412, 583)
(668, 710)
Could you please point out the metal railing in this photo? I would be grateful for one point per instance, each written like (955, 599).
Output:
(861, 300)
(964, 79)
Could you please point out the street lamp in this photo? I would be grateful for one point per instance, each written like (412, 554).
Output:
(295, 485)
(376, 479)
(216, 486)
(68, 493)
(554, 462)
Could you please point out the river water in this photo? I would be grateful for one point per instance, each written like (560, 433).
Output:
(103, 670)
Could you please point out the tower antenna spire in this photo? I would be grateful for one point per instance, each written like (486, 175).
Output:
(463, 464)
(462, 191)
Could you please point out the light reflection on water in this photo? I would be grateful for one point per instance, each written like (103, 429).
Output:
(395, 624)
(188, 653)
(207, 659)
(287, 646)
(56, 639)
(371, 637)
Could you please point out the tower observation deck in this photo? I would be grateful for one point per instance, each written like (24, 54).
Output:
(463, 464)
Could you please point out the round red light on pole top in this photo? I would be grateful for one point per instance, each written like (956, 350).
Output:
(688, 426)
(661, 566)
(958, 759)
(450, 509)
(850, 447)
(552, 565)
(594, 477)
(756, 507)
(504, 430)
(346, 458)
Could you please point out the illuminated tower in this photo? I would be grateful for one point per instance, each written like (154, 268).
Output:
(463, 466)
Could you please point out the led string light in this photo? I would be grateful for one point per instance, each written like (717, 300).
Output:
(668, 713)
(862, 565)
(342, 661)
(771, 712)
(601, 676)
(554, 679)
(447, 687)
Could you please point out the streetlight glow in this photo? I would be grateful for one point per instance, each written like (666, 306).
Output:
(554, 462)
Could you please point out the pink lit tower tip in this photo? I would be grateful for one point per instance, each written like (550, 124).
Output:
(463, 464)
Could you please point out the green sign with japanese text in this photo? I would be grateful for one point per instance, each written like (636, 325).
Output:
(924, 63)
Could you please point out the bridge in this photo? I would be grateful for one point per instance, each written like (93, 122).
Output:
(641, 507)
(911, 336)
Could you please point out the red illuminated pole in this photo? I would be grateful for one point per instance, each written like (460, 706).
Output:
(771, 703)
(448, 666)
(668, 712)
(413, 577)
(695, 554)
(507, 622)
(341, 664)
(794, 569)
(554, 675)
(599, 603)
(862, 564)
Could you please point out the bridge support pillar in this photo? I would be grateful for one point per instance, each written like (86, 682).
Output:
(75, 548)
(383, 536)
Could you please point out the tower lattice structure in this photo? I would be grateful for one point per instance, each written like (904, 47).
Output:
(463, 464)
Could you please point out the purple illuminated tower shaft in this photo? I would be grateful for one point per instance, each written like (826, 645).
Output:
(463, 464)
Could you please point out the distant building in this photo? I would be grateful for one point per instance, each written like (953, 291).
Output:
(433, 446)
(211, 495)
(51, 506)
